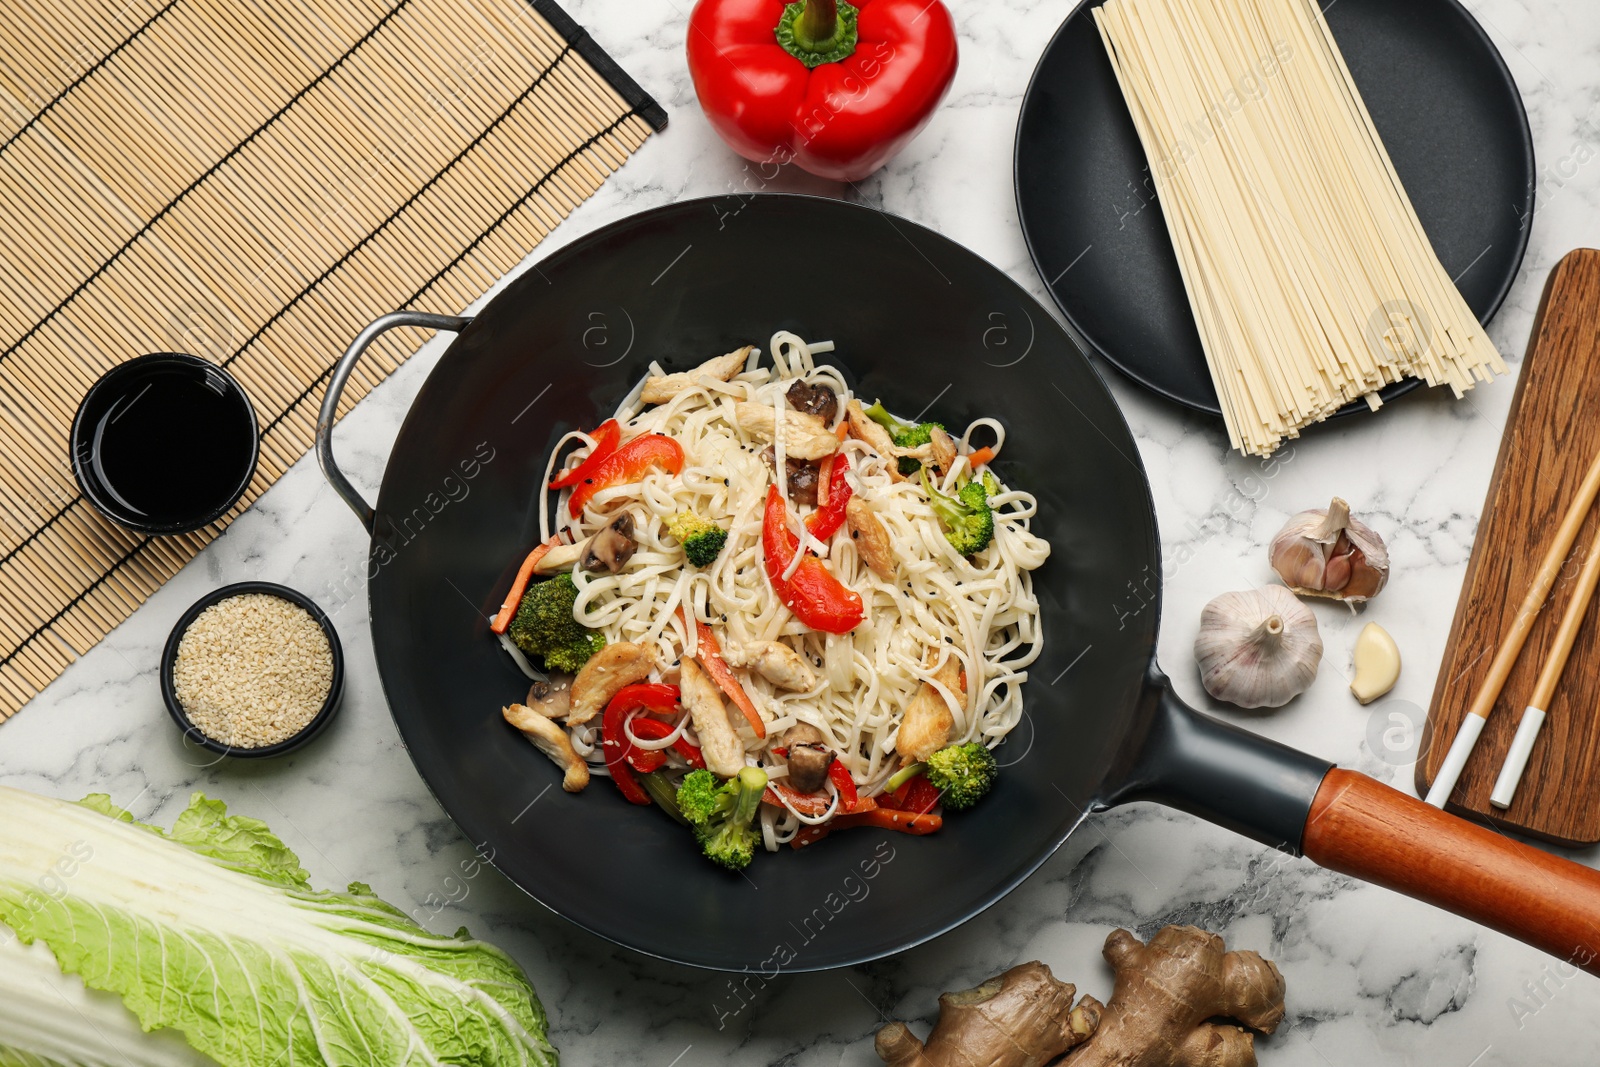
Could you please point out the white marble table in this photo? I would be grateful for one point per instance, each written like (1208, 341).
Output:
(1373, 979)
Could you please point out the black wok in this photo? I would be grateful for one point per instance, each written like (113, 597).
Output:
(921, 322)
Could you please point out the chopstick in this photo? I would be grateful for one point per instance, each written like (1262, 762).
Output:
(1511, 645)
(1505, 786)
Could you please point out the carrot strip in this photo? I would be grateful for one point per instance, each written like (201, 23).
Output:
(905, 822)
(709, 653)
(508, 609)
(978, 457)
(824, 479)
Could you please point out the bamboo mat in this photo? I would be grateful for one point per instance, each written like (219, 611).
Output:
(252, 182)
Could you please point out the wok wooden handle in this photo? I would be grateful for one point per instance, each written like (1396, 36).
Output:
(1360, 827)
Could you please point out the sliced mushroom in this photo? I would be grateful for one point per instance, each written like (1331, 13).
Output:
(870, 537)
(607, 671)
(925, 727)
(609, 550)
(804, 436)
(552, 697)
(719, 744)
(863, 428)
(774, 661)
(663, 387)
(813, 399)
(809, 757)
(613, 546)
(553, 741)
(800, 477)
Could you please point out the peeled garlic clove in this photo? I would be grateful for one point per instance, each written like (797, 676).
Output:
(1325, 552)
(1377, 663)
(1258, 648)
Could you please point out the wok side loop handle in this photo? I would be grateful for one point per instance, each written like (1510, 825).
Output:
(1363, 828)
(336, 384)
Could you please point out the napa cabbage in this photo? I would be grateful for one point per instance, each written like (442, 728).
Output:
(212, 932)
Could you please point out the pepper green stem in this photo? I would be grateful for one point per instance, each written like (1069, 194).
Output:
(818, 31)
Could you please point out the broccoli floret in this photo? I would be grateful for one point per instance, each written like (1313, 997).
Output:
(543, 626)
(962, 774)
(723, 814)
(904, 434)
(967, 519)
(701, 539)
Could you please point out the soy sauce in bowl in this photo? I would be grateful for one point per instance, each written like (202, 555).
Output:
(165, 443)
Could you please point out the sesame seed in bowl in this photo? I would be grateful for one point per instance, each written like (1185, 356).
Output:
(252, 670)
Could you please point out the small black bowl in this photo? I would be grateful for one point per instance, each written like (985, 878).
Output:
(184, 455)
(169, 657)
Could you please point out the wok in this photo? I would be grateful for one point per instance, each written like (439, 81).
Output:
(923, 323)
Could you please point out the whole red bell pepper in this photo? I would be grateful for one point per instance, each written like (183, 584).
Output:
(816, 597)
(833, 87)
(627, 464)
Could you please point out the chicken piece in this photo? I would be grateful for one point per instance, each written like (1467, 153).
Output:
(607, 671)
(552, 697)
(942, 451)
(719, 744)
(925, 727)
(863, 428)
(804, 436)
(776, 662)
(871, 539)
(663, 387)
(609, 550)
(552, 740)
(809, 757)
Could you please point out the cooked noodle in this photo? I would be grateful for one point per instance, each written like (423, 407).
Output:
(981, 611)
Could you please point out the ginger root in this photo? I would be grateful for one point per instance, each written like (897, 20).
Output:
(1167, 991)
(1160, 1014)
(1023, 1018)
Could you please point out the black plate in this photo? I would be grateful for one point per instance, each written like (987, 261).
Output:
(1439, 93)
(919, 321)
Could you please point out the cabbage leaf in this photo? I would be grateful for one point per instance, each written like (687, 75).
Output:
(213, 930)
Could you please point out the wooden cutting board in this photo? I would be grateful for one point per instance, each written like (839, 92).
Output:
(1552, 434)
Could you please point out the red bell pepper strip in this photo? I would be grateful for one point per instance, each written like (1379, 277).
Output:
(840, 777)
(709, 653)
(508, 607)
(649, 759)
(817, 598)
(833, 87)
(804, 803)
(829, 516)
(606, 438)
(651, 696)
(917, 795)
(905, 822)
(627, 464)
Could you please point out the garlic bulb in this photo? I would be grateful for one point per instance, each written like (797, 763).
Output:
(1324, 552)
(1258, 648)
